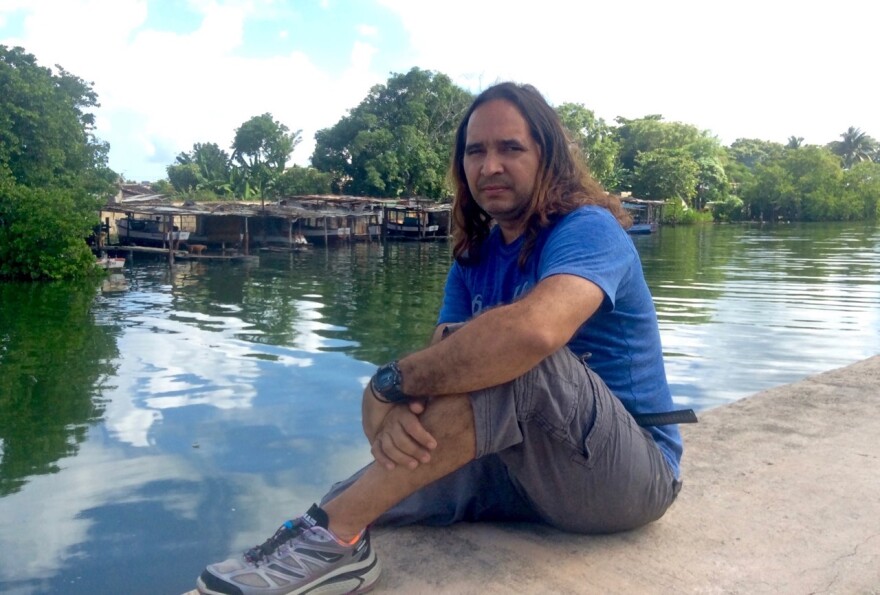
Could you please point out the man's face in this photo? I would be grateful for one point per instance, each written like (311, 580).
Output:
(501, 163)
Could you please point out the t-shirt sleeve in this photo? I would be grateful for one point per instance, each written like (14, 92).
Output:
(591, 244)
(456, 305)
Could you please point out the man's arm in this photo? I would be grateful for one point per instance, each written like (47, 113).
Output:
(503, 342)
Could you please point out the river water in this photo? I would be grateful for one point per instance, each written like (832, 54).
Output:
(171, 417)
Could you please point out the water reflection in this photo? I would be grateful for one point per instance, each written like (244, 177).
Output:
(183, 416)
(764, 305)
(54, 363)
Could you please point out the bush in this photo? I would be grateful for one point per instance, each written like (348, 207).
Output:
(729, 209)
(42, 233)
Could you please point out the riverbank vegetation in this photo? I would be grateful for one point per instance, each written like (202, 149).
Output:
(53, 170)
(395, 143)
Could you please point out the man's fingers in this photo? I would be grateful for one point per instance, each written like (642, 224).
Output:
(417, 432)
(400, 449)
(381, 459)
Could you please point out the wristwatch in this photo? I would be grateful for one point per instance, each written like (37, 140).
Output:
(386, 382)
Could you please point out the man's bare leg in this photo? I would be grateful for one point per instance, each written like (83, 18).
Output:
(451, 421)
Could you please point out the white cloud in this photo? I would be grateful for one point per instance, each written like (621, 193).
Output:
(162, 91)
(756, 69)
(765, 69)
(367, 30)
(42, 523)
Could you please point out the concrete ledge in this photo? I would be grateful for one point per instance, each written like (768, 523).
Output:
(781, 495)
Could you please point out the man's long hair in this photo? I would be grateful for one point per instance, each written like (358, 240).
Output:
(563, 181)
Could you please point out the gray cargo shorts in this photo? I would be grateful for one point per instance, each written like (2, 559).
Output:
(554, 446)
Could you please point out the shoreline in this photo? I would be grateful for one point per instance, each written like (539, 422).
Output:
(781, 495)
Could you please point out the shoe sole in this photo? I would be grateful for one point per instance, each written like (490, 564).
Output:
(355, 585)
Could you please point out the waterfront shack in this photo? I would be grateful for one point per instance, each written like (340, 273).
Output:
(646, 214)
(417, 219)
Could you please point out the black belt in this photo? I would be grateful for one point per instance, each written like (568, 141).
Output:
(665, 418)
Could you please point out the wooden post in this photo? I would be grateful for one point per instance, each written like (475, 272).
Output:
(325, 231)
(290, 234)
(169, 225)
(246, 238)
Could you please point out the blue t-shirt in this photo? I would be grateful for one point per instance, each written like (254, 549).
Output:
(622, 337)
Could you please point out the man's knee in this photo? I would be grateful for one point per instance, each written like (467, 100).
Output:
(451, 418)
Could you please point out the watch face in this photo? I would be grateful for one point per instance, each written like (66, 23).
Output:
(386, 378)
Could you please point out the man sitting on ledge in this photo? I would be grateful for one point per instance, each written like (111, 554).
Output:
(529, 410)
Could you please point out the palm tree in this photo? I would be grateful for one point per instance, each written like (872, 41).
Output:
(795, 142)
(856, 146)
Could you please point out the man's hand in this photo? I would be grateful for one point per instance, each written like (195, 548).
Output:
(396, 435)
(402, 440)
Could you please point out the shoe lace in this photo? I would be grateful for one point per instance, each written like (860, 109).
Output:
(289, 530)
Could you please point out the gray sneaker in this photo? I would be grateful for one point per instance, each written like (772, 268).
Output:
(302, 557)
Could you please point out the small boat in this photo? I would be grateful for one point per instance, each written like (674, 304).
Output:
(642, 228)
(645, 214)
(110, 263)
(151, 230)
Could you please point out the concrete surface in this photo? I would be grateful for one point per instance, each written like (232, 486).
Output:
(781, 495)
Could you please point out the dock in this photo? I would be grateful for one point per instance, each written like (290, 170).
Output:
(178, 254)
(781, 495)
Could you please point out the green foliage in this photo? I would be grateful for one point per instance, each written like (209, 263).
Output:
(727, 210)
(595, 140)
(298, 181)
(42, 232)
(397, 142)
(663, 160)
(53, 171)
(206, 168)
(663, 174)
(184, 177)
(862, 189)
(752, 152)
(162, 187)
(712, 182)
(854, 147)
(650, 134)
(675, 212)
(261, 148)
(804, 184)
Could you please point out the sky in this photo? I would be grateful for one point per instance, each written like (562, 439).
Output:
(172, 73)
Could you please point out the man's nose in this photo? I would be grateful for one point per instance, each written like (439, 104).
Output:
(492, 164)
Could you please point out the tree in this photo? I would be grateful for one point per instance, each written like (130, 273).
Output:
(744, 155)
(595, 140)
(53, 171)
(794, 142)
(712, 182)
(658, 157)
(855, 147)
(751, 152)
(184, 177)
(862, 187)
(206, 168)
(299, 181)
(261, 148)
(801, 185)
(664, 174)
(397, 141)
(650, 133)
